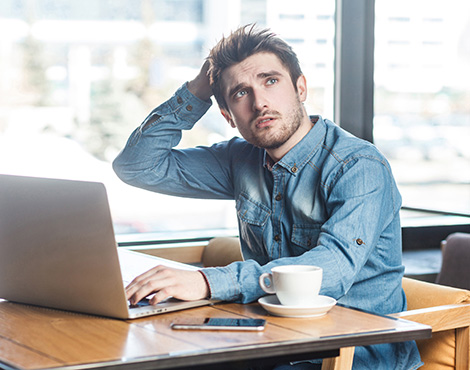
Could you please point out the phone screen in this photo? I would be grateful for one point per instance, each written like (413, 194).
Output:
(216, 323)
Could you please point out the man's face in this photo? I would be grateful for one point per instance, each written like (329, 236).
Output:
(264, 104)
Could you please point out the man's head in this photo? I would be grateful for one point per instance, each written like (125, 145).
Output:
(241, 44)
(260, 89)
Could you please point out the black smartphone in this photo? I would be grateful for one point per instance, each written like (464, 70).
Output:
(216, 323)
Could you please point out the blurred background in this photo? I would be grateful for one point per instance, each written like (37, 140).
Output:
(77, 76)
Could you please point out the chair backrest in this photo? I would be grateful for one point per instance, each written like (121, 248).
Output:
(455, 269)
(447, 311)
(221, 251)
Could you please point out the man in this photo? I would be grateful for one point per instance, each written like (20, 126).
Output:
(306, 191)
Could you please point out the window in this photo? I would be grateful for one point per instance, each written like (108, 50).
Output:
(77, 76)
(422, 100)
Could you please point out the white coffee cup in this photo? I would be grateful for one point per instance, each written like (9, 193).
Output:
(294, 285)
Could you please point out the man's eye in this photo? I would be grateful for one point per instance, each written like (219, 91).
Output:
(240, 93)
(272, 81)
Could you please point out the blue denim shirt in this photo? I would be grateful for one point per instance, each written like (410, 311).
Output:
(331, 201)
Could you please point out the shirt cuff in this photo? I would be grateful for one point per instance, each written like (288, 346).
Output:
(222, 283)
(209, 296)
(189, 106)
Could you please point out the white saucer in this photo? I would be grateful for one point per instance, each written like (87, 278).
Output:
(322, 305)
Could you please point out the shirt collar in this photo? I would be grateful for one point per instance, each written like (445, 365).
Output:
(296, 158)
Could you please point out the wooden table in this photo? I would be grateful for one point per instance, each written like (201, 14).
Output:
(41, 338)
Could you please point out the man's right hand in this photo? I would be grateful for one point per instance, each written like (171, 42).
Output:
(200, 86)
(167, 282)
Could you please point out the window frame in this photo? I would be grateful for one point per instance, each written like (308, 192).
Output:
(354, 67)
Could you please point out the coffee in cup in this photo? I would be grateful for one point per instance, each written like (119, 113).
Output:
(294, 285)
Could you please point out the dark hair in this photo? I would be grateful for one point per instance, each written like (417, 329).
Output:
(241, 44)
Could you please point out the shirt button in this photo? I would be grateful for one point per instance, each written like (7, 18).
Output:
(359, 242)
(294, 169)
(189, 108)
(278, 197)
(277, 238)
(179, 99)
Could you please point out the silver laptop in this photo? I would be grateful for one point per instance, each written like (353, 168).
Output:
(57, 249)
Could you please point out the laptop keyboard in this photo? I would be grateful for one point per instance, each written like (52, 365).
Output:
(142, 303)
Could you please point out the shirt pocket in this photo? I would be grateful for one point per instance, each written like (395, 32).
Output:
(252, 217)
(304, 238)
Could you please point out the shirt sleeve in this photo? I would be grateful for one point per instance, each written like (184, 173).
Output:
(363, 204)
(149, 160)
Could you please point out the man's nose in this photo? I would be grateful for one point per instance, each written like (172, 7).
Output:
(260, 102)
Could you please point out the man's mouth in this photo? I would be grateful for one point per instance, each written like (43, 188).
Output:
(264, 122)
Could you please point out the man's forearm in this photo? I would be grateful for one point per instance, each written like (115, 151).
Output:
(150, 145)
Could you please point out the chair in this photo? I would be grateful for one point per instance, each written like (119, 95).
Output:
(445, 309)
(455, 269)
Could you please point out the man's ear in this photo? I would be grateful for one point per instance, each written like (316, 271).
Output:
(228, 118)
(302, 88)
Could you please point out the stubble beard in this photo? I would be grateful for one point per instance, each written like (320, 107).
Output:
(274, 137)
